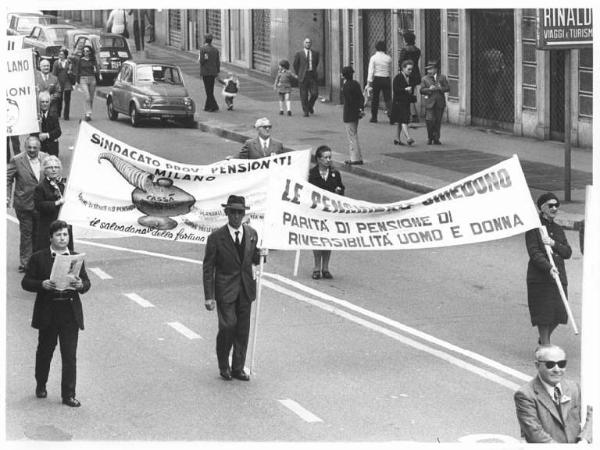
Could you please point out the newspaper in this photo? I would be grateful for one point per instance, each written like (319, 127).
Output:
(65, 269)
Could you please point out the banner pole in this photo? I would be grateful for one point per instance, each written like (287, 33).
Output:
(296, 263)
(556, 277)
(256, 312)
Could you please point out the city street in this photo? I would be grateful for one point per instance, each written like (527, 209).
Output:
(424, 345)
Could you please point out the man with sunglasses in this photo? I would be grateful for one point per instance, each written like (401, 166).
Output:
(549, 406)
(262, 145)
(543, 297)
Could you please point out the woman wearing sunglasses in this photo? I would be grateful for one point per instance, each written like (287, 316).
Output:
(543, 297)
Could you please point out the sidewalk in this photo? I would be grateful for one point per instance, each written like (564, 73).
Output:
(420, 168)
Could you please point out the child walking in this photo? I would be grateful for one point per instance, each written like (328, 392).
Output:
(231, 86)
(283, 86)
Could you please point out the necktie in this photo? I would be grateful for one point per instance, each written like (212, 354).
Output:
(237, 239)
(557, 395)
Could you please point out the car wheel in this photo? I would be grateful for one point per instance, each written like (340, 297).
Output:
(110, 110)
(134, 117)
(189, 122)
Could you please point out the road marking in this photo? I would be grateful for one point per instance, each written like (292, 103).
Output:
(405, 340)
(184, 330)
(300, 410)
(426, 337)
(408, 341)
(139, 300)
(100, 273)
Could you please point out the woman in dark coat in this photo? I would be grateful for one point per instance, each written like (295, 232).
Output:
(543, 297)
(48, 199)
(412, 52)
(323, 175)
(403, 91)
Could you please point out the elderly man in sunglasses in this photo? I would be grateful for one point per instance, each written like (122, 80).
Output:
(262, 145)
(549, 406)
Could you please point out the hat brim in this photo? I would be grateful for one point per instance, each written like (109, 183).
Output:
(236, 206)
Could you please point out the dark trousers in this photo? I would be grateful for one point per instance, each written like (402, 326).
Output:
(433, 119)
(138, 34)
(16, 146)
(309, 91)
(64, 105)
(383, 85)
(234, 328)
(63, 327)
(28, 228)
(209, 88)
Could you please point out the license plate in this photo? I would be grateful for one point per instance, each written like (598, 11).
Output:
(116, 64)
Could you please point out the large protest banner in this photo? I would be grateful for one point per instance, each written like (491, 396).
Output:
(492, 204)
(21, 97)
(113, 186)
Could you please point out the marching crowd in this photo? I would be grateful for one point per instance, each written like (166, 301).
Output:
(548, 407)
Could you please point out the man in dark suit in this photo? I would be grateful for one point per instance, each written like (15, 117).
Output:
(210, 66)
(49, 125)
(433, 89)
(25, 171)
(46, 81)
(305, 65)
(230, 285)
(56, 314)
(549, 406)
(262, 145)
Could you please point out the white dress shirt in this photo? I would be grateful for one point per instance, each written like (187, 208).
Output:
(232, 232)
(380, 65)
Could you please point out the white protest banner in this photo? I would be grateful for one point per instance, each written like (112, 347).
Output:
(113, 186)
(21, 97)
(492, 204)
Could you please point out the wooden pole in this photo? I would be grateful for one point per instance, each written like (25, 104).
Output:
(556, 277)
(567, 125)
(296, 263)
(256, 312)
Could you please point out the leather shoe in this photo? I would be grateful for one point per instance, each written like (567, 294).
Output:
(311, 110)
(240, 375)
(305, 114)
(429, 141)
(437, 142)
(225, 374)
(71, 401)
(373, 120)
(327, 275)
(353, 163)
(40, 392)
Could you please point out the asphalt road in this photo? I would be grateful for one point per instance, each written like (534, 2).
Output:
(423, 346)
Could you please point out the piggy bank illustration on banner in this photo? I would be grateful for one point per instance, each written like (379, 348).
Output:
(157, 198)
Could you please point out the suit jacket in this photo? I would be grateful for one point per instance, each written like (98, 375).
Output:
(44, 198)
(252, 149)
(50, 125)
(227, 276)
(354, 101)
(539, 418)
(399, 85)
(301, 63)
(19, 172)
(38, 270)
(51, 85)
(333, 181)
(210, 60)
(434, 98)
(63, 74)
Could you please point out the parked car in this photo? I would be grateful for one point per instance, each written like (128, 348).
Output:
(46, 41)
(72, 35)
(23, 23)
(145, 89)
(111, 51)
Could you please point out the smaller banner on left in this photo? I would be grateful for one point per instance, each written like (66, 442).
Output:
(21, 101)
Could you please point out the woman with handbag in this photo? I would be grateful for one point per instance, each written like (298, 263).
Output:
(403, 95)
(63, 70)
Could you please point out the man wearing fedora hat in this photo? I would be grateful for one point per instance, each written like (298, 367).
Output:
(229, 285)
(434, 86)
(262, 145)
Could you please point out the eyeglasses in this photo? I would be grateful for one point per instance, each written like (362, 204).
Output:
(552, 205)
(266, 127)
(550, 364)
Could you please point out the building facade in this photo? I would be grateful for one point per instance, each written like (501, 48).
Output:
(498, 78)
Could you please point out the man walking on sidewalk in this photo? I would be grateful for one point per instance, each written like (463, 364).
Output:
(306, 62)
(210, 66)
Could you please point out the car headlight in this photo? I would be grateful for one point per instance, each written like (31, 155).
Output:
(147, 102)
(188, 102)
